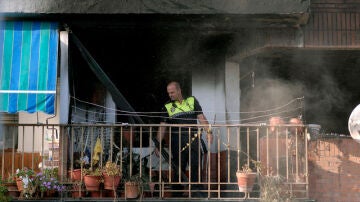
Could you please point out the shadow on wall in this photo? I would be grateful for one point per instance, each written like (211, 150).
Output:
(334, 173)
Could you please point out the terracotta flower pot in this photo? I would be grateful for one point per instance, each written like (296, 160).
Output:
(245, 181)
(92, 183)
(167, 192)
(75, 174)
(19, 184)
(12, 189)
(95, 194)
(77, 192)
(48, 194)
(111, 182)
(110, 193)
(132, 190)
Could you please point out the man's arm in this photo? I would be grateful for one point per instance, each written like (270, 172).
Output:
(160, 136)
(161, 132)
(202, 119)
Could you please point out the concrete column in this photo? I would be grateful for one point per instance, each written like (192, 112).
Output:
(232, 95)
(110, 109)
(64, 101)
(64, 77)
(208, 84)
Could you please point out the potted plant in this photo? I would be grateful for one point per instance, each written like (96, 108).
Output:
(112, 176)
(133, 187)
(92, 178)
(77, 190)
(4, 192)
(272, 188)
(23, 176)
(245, 179)
(48, 183)
(11, 186)
(25, 182)
(75, 174)
(75, 171)
(135, 179)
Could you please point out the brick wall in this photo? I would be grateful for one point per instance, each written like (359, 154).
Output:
(334, 169)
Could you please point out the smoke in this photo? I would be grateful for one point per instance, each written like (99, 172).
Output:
(272, 97)
(283, 80)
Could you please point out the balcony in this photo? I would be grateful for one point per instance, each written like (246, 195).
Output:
(276, 154)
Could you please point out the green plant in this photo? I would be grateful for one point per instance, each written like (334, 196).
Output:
(245, 169)
(255, 165)
(47, 180)
(5, 198)
(3, 189)
(135, 168)
(138, 179)
(272, 188)
(92, 171)
(112, 169)
(24, 173)
(3, 192)
(80, 161)
(26, 177)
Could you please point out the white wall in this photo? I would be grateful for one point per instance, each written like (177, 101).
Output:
(64, 77)
(33, 138)
(218, 91)
(208, 84)
(232, 94)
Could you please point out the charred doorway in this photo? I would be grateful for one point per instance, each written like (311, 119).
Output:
(141, 56)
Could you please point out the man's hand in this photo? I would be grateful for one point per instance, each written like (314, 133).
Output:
(156, 151)
(160, 136)
(209, 136)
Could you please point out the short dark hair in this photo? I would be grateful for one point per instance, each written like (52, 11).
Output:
(177, 84)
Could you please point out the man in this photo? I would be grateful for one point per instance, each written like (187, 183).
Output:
(180, 110)
(274, 122)
(296, 121)
(297, 150)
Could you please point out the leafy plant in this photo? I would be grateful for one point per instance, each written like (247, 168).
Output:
(272, 189)
(132, 165)
(246, 168)
(27, 176)
(3, 189)
(3, 192)
(112, 169)
(25, 172)
(80, 161)
(47, 180)
(92, 171)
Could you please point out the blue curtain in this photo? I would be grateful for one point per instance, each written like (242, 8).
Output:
(28, 66)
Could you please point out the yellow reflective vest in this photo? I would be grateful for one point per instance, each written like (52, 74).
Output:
(175, 108)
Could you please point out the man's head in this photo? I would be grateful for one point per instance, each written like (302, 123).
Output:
(274, 121)
(174, 91)
(296, 121)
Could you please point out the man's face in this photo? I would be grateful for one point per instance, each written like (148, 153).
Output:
(274, 122)
(295, 121)
(173, 92)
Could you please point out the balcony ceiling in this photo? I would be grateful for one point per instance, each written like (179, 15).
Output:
(168, 14)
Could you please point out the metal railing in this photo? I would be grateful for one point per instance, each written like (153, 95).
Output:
(279, 152)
